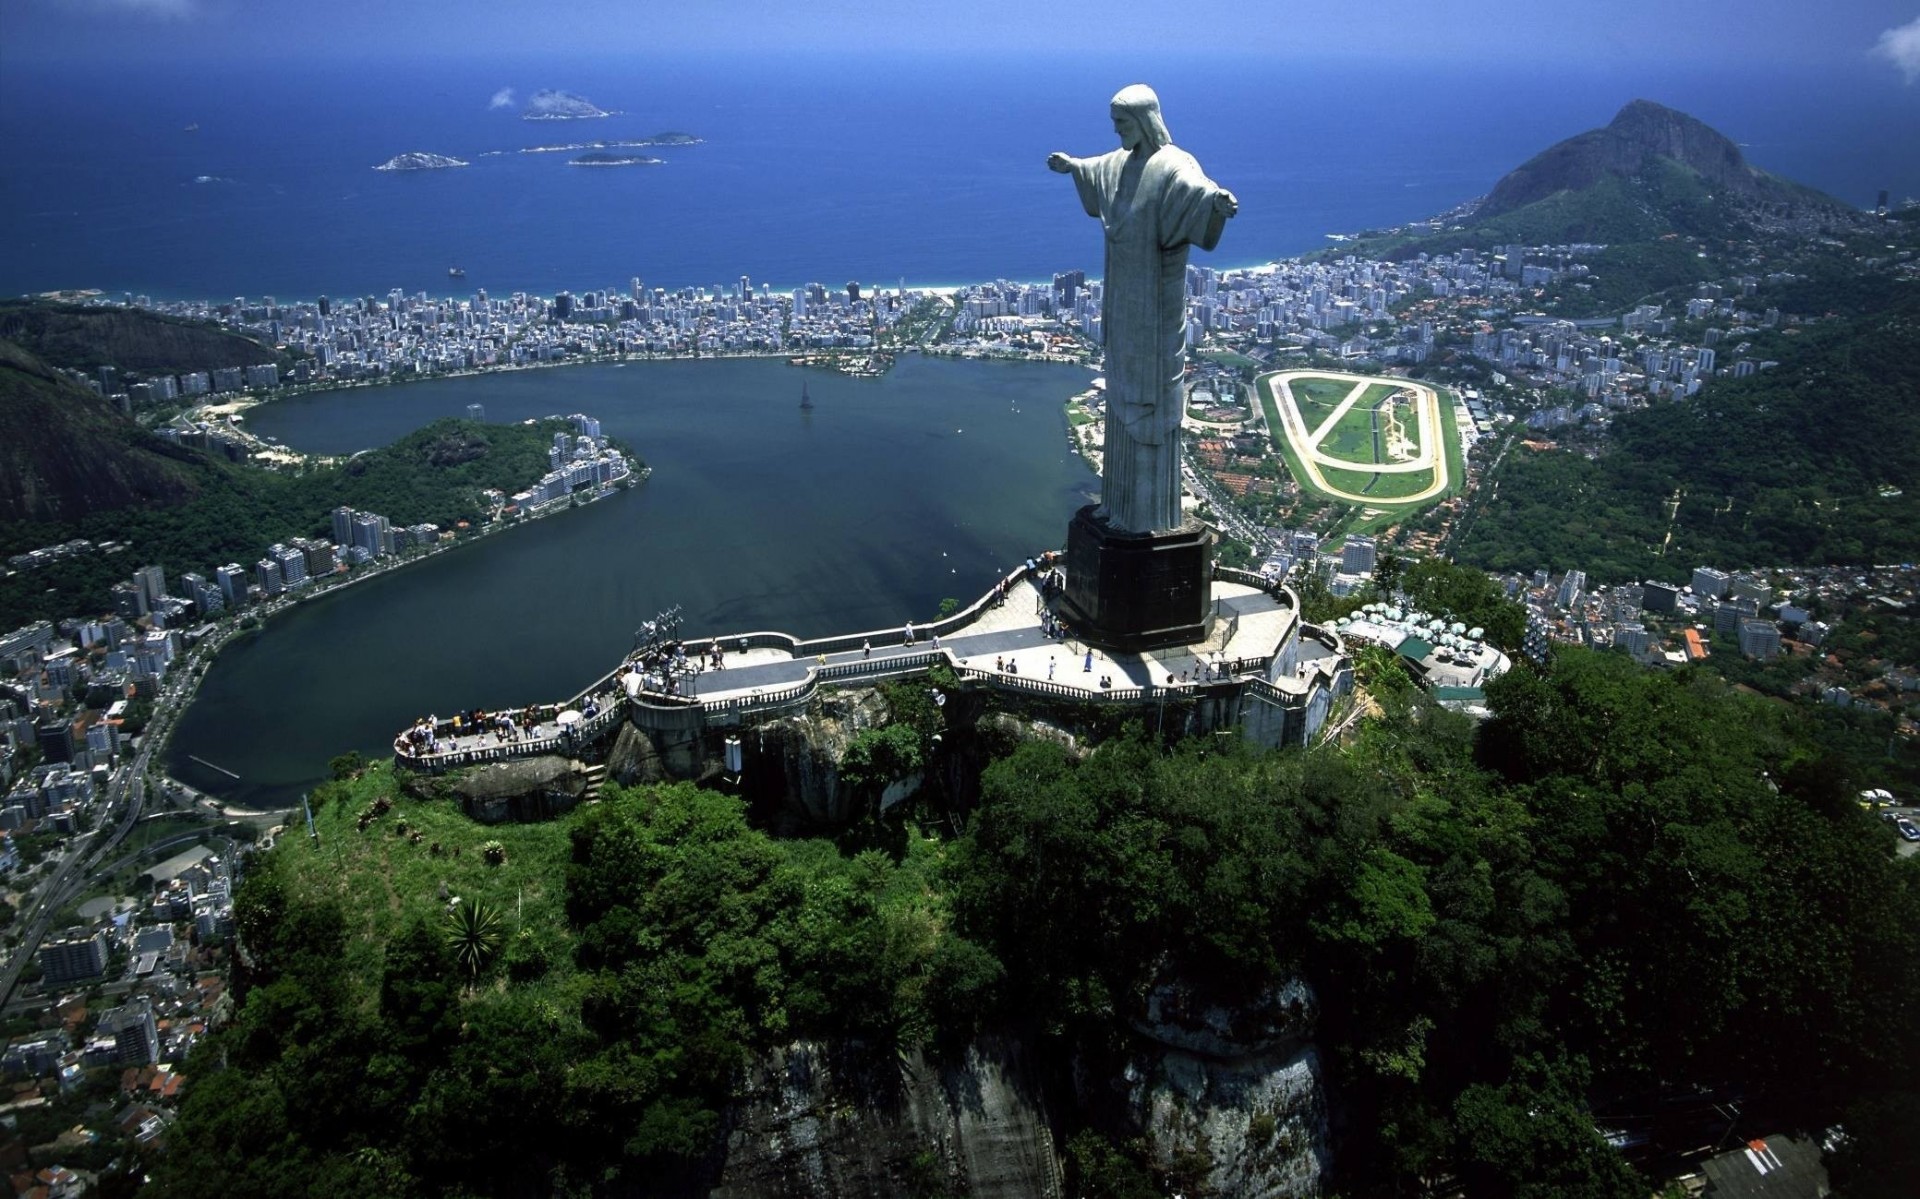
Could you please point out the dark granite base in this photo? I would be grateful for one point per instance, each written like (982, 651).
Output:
(1131, 592)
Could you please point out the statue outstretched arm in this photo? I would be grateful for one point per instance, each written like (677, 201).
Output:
(1060, 163)
(1224, 203)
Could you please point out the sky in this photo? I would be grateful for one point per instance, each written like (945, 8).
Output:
(1868, 35)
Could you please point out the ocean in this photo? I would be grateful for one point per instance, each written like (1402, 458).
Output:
(823, 169)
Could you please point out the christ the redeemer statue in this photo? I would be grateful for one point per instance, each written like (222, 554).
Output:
(1153, 201)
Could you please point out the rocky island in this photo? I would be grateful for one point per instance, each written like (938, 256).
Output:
(601, 158)
(550, 105)
(419, 161)
(658, 139)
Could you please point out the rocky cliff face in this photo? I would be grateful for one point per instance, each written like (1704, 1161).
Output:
(842, 1123)
(1230, 1098)
(524, 790)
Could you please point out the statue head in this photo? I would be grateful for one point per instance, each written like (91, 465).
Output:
(1136, 105)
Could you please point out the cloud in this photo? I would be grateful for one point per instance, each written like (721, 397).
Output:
(502, 98)
(1901, 47)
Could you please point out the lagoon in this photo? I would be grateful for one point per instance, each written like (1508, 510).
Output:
(890, 495)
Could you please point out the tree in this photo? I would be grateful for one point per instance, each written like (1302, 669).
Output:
(474, 934)
(1532, 1139)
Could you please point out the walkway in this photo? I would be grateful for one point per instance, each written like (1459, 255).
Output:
(1004, 640)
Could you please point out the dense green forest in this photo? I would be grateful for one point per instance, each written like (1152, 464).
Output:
(1626, 886)
(435, 474)
(1811, 462)
(87, 336)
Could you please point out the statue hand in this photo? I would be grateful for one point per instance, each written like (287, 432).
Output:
(1060, 163)
(1224, 203)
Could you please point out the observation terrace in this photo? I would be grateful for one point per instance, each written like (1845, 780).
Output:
(1261, 669)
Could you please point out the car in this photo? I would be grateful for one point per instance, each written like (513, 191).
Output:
(1907, 829)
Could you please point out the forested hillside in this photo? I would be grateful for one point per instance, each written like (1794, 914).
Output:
(65, 452)
(435, 474)
(85, 336)
(1812, 462)
(1626, 887)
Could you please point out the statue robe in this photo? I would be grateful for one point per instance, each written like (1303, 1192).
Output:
(1152, 208)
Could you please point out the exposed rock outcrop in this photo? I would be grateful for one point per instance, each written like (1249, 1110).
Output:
(806, 750)
(1230, 1096)
(521, 790)
(847, 1123)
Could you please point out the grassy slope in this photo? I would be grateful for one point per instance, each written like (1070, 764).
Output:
(383, 880)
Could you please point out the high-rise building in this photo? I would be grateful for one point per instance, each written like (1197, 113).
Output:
(129, 600)
(343, 525)
(1709, 583)
(152, 581)
(1727, 615)
(266, 572)
(1759, 639)
(135, 1034)
(320, 556)
(1572, 585)
(369, 532)
(1357, 555)
(1632, 636)
(293, 563)
(1753, 586)
(74, 957)
(1661, 597)
(232, 579)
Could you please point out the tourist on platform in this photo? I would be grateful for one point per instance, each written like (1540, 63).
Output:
(866, 649)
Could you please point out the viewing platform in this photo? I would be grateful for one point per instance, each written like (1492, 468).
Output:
(1260, 666)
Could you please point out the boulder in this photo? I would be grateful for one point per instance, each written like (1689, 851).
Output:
(521, 790)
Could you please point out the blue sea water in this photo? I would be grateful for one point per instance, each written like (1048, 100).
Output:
(819, 169)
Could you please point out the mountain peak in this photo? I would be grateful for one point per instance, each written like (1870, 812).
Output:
(1641, 133)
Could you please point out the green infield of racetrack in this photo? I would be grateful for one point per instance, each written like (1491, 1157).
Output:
(1352, 439)
(1317, 398)
(1389, 485)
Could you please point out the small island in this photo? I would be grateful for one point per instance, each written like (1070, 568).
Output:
(601, 158)
(658, 139)
(419, 161)
(550, 105)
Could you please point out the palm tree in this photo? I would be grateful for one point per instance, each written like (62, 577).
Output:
(474, 933)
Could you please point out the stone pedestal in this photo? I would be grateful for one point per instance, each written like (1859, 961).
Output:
(1131, 592)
